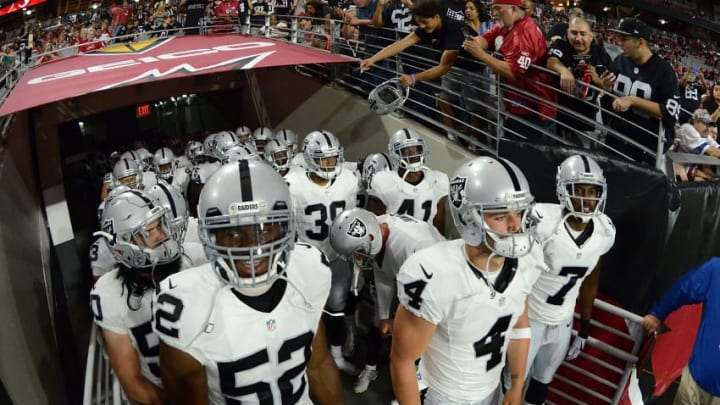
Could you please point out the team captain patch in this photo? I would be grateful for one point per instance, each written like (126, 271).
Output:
(457, 191)
(357, 228)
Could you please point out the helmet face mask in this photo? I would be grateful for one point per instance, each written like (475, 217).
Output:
(164, 162)
(247, 226)
(195, 152)
(260, 138)
(141, 231)
(278, 154)
(407, 150)
(127, 173)
(323, 154)
(581, 187)
(496, 189)
(388, 97)
(174, 202)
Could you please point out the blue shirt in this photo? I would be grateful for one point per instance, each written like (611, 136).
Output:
(701, 285)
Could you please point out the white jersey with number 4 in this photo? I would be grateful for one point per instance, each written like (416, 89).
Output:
(466, 355)
(316, 206)
(400, 197)
(250, 357)
(571, 257)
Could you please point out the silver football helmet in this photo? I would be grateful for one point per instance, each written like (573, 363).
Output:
(318, 147)
(242, 151)
(137, 231)
(290, 138)
(195, 151)
(407, 150)
(355, 234)
(246, 224)
(164, 162)
(278, 154)
(126, 172)
(224, 140)
(145, 159)
(209, 145)
(581, 170)
(388, 96)
(164, 195)
(260, 137)
(376, 162)
(486, 185)
(243, 133)
(110, 195)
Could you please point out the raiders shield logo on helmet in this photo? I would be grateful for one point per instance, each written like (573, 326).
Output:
(357, 228)
(457, 191)
(109, 226)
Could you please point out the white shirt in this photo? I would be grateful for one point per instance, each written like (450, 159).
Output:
(400, 197)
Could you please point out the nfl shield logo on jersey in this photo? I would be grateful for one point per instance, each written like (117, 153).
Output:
(457, 191)
(271, 325)
(357, 228)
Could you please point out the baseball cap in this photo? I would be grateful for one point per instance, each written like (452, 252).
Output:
(517, 3)
(632, 27)
(702, 116)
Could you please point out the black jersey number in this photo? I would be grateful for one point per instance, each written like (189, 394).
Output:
(148, 345)
(95, 306)
(234, 384)
(408, 208)
(492, 343)
(575, 273)
(321, 229)
(171, 316)
(414, 292)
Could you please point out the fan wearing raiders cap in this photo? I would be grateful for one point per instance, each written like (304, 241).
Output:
(574, 235)
(246, 328)
(646, 93)
(144, 243)
(413, 189)
(463, 303)
(321, 191)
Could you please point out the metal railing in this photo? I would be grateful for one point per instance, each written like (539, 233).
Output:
(620, 376)
(101, 385)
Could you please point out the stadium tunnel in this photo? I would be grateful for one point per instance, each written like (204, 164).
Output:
(47, 213)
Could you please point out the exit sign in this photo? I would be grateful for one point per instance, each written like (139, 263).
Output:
(143, 110)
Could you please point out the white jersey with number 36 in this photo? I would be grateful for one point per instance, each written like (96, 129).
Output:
(250, 356)
(466, 355)
(570, 259)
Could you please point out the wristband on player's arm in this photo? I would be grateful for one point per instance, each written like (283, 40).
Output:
(584, 330)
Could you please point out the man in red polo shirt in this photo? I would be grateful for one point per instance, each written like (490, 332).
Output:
(519, 40)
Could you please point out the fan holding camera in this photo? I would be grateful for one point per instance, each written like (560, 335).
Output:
(579, 61)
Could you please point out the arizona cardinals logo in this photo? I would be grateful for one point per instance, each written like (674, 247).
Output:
(457, 191)
(357, 228)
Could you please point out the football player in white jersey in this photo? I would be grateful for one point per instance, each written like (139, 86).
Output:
(463, 303)
(373, 163)
(278, 155)
(260, 137)
(574, 235)
(381, 244)
(164, 164)
(321, 192)
(414, 189)
(246, 328)
(243, 134)
(185, 226)
(140, 236)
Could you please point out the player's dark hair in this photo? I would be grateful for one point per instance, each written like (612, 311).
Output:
(426, 8)
(138, 282)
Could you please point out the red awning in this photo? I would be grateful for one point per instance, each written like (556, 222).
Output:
(155, 59)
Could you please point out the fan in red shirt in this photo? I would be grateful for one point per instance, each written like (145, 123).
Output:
(519, 40)
(226, 15)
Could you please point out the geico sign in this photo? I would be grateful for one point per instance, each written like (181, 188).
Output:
(184, 55)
